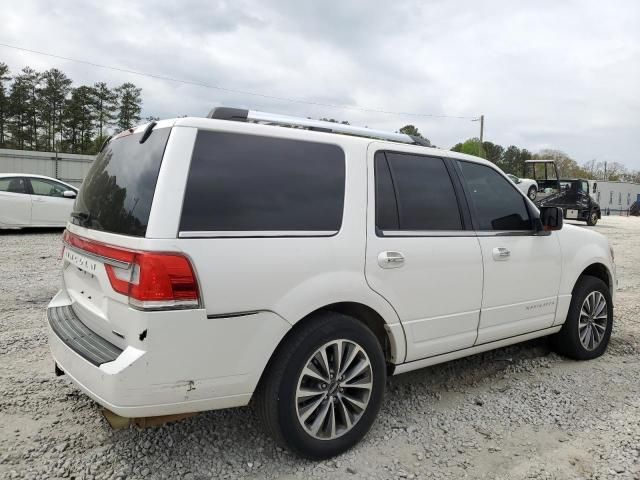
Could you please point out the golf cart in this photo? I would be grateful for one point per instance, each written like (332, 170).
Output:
(572, 195)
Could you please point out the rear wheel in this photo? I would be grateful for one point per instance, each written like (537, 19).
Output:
(532, 192)
(586, 332)
(592, 218)
(324, 387)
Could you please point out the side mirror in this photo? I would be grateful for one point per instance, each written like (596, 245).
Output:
(551, 218)
(69, 194)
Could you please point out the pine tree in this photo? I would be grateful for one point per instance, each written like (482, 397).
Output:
(129, 104)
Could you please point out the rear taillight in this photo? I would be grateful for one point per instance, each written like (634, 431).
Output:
(151, 280)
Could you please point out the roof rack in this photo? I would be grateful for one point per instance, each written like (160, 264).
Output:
(241, 115)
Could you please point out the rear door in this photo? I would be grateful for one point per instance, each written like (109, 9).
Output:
(49, 206)
(521, 268)
(15, 202)
(422, 255)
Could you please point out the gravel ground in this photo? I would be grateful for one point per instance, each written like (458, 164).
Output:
(520, 412)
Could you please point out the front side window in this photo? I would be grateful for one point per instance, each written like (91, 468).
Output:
(13, 185)
(247, 183)
(47, 188)
(414, 192)
(496, 202)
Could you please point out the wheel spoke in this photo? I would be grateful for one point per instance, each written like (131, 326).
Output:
(602, 303)
(320, 418)
(310, 409)
(583, 335)
(325, 362)
(352, 355)
(357, 370)
(358, 403)
(312, 373)
(337, 357)
(307, 392)
(345, 413)
(333, 420)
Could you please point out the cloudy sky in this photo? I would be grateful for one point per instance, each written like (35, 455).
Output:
(545, 74)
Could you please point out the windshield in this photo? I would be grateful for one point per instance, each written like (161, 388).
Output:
(117, 193)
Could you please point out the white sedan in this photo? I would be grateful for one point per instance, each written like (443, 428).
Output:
(34, 201)
(526, 185)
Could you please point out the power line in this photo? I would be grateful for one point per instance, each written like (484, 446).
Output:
(231, 90)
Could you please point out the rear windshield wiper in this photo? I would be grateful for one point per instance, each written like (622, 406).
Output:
(147, 132)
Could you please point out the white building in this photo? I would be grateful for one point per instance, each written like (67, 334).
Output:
(615, 196)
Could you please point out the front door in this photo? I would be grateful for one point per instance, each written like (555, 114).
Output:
(521, 268)
(49, 205)
(422, 256)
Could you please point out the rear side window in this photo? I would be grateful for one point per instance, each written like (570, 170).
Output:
(497, 203)
(41, 186)
(13, 185)
(247, 183)
(424, 195)
(117, 193)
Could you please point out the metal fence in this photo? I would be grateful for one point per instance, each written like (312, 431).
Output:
(68, 167)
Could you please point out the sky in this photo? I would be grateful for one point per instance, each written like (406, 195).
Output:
(545, 74)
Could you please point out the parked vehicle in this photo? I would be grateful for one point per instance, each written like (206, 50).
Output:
(525, 185)
(34, 201)
(239, 260)
(573, 196)
(575, 201)
(545, 174)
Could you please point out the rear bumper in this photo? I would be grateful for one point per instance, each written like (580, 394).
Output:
(191, 363)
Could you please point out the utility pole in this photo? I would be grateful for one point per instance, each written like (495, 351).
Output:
(481, 120)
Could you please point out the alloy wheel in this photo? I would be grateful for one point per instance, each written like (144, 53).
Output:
(593, 320)
(334, 389)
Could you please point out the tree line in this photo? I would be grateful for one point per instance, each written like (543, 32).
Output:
(44, 111)
(511, 160)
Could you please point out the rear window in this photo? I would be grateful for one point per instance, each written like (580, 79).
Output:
(116, 194)
(246, 183)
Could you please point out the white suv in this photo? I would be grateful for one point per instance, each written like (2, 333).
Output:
(211, 262)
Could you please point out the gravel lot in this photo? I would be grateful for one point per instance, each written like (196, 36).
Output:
(516, 413)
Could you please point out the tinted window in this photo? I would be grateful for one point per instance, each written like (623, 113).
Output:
(424, 192)
(250, 183)
(13, 185)
(497, 204)
(386, 208)
(48, 188)
(117, 192)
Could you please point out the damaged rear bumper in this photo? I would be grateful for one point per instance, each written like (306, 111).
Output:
(188, 362)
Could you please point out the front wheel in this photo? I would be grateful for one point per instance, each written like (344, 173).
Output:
(324, 386)
(592, 219)
(586, 332)
(532, 193)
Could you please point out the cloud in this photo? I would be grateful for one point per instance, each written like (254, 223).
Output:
(545, 74)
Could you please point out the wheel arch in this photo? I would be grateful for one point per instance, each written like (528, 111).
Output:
(392, 346)
(598, 270)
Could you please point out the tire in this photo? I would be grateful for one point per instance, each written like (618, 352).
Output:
(532, 193)
(280, 407)
(569, 340)
(592, 219)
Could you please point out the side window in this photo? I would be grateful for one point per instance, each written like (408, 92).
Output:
(610, 197)
(47, 188)
(13, 185)
(497, 204)
(423, 190)
(585, 187)
(248, 183)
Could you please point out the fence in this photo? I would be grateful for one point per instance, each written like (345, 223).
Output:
(68, 167)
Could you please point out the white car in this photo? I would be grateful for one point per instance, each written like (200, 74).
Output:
(526, 185)
(34, 201)
(211, 262)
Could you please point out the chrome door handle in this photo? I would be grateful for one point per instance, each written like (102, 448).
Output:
(501, 253)
(390, 259)
(39, 200)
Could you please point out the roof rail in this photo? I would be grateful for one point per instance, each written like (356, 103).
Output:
(238, 114)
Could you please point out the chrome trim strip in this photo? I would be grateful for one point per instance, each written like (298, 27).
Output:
(456, 233)
(428, 233)
(243, 234)
(235, 314)
(99, 258)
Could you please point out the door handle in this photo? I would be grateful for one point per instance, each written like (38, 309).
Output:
(390, 259)
(501, 253)
(39, 200)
